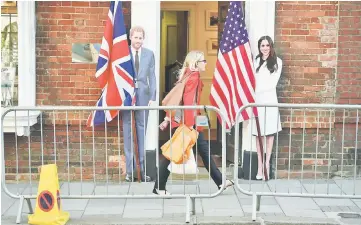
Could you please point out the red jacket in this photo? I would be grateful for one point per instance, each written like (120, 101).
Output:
(193, 84)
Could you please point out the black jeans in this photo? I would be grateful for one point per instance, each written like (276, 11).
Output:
(203, 150)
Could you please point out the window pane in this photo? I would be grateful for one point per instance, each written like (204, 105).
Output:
(9, 52)
(9, 40)
(5, 20)
(14, 22)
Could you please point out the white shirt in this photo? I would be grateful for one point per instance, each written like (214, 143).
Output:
(134, 52)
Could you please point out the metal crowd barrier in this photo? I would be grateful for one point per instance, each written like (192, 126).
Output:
(315, 155)
(89, 160)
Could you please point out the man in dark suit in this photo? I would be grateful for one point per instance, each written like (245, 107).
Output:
(145, 92)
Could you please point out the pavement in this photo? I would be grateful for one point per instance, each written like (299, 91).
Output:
(231, 207)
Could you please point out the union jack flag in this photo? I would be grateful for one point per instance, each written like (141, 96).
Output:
(115, 71)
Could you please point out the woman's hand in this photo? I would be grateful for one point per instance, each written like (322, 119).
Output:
(164, 125)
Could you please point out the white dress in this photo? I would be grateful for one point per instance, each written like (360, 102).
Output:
(269, 117)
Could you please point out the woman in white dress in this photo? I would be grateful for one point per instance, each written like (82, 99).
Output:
(268, 69)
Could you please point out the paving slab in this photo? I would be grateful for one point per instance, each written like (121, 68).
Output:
(332, 215)
(13, 210)
(111, 189)
(322, 188)
(349, 187)
(6, 203)
(316, 213)
(265, 200)
(333, 202)
(263, 209)
(177, 209)
(74, 204)
(318, 181)
(206, 187)
(357, 202)
(142, 213)
(354, 209)
(286, 186)
(223, 212)
(296, 203)
(175, 206)
(221, 202)
(177, 188)
(75, 214)
(29, 189)
(17, 188)
(105, 207)
(145, 204)
(230, 207)
(76, 188)
(141, 188)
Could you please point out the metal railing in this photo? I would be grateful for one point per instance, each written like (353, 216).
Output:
(89, 159)
(315, 153)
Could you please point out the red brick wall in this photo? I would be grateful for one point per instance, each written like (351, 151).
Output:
(61, 82)
(306, 37)
(349, 85)
(320, 48)
(349, 54)
(74, 150)
(59, 25)
(306, 40)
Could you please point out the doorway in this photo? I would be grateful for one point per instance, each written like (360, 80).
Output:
(174, 46)
(184, 27)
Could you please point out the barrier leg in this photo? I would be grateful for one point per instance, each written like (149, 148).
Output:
(193, 202)
(29, 205)
(20, 210)
(254, 207)
(258, 203)
(188, 210)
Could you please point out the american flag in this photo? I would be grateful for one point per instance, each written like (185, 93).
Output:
(115, 71)
(233, 82)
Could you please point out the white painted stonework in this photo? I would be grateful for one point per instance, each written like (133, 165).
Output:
(260, 21)
(147, 15)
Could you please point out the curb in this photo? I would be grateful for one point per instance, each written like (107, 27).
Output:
(198, 220)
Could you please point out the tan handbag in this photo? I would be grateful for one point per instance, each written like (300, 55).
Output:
(175, 96)
(178, 148)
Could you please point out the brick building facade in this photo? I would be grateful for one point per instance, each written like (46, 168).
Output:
(319, 42)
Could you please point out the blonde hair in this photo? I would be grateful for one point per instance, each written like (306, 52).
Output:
(191, 62)
(137, 29)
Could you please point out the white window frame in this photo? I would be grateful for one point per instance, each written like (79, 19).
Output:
(26, 72)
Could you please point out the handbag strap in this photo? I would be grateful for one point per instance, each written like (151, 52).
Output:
(209, 122)
(184, 77)
(205, 108)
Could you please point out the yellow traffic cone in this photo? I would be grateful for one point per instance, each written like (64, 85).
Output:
(48, 208)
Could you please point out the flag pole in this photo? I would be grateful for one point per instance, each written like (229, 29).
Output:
(136, 146)
(261, 148)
